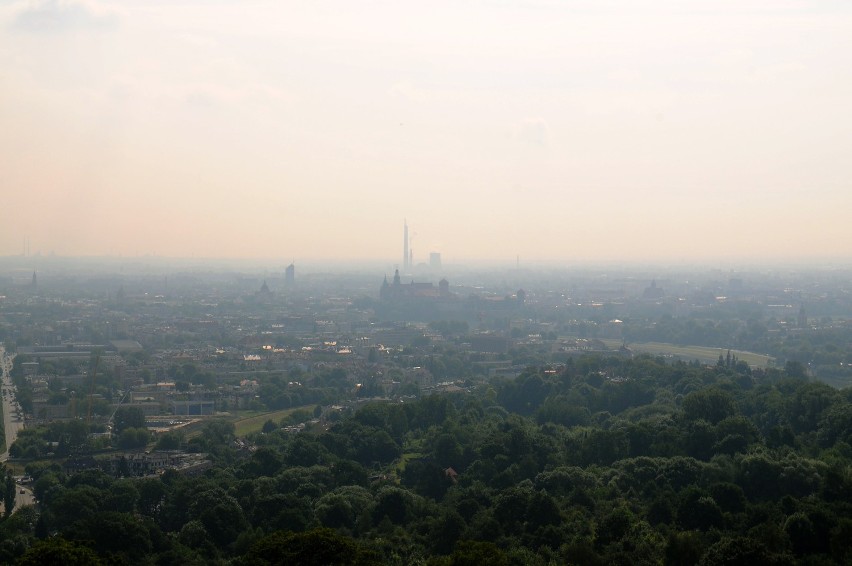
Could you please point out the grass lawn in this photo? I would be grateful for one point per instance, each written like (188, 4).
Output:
(703, 354)
(245, 422)
(253, 422)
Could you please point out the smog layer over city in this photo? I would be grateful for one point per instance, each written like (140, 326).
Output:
(504, 282)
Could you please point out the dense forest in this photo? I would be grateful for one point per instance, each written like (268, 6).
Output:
(595, 461)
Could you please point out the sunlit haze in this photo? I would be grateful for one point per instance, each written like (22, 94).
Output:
(539, 130)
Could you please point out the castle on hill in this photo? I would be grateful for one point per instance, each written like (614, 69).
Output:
(397, 291)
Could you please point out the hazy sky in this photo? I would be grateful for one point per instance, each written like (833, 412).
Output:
(575, 130)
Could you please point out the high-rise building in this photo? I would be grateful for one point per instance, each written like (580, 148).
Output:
(435, 260)
(405, 256)
(290, 274)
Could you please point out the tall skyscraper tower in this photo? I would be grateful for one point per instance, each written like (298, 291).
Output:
(405, 257)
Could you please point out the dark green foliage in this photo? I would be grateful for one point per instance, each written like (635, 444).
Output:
(526, 393)
(611, 461)
(349, 472)
(128, 417)
(661, 510)
(841, 541)
(220, 514)
(562, 410)
(169, 441)
(113, 534)
(613, 527)
(57, 551)
(729, 497)
(131, 438)
(282, 512)
(366, 444)
(476, 553)
(318, 547)
(711, 405)
(699, 513)
(394, 504)
(9, 491)
(683, 548)
(342, 507)
(447, 529)
(264, 462)
(426, 478)
(741, 551)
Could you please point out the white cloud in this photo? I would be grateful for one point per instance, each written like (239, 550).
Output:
(533, 132)
(52, 16)
(125, 86)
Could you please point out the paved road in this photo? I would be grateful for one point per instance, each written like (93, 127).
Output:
(12, 421)
(21, 499)
(25, 498)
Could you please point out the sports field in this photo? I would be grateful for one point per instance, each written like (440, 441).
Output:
(703, 354)
(245, 422)
(255, 422)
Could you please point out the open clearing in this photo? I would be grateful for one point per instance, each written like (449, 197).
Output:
(703, 354)
(248, 424)
(245, 422)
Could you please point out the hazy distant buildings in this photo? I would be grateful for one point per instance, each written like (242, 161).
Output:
(264, 296)
(490, 343)
(416, 301)
(398, 291)
(405, 252)
(435, 260)
(423, 301)
(653, 292)
(193, 407)
(290, 275)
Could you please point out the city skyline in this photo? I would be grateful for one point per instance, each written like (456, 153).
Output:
(578, 131)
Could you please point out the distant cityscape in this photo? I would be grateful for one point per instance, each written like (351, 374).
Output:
(138, 365)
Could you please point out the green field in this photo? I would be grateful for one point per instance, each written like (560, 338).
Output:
(245, 422)
(703, 354)
(248, 423)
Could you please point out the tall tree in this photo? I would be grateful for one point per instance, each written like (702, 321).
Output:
(9, 489)
(128, 417)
